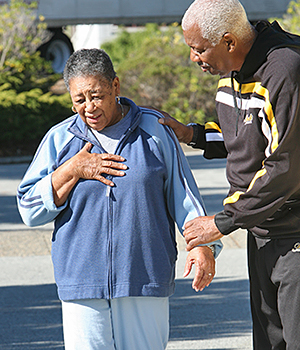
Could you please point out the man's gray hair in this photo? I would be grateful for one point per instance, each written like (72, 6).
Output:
(214, 18)
(88, 62)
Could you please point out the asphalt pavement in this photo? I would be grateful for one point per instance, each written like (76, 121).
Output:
(30, 312)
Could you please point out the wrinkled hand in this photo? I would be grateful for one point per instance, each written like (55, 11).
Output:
(204, 261)
(183, 132)
(84, 165)
(91, 166)
(201, 230)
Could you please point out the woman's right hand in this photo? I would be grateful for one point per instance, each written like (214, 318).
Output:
(85, 165)
(91, 166)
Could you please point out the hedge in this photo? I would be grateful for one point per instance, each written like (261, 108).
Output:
(26, 117)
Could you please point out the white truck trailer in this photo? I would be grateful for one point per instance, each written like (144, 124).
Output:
(128, 12)
(60, 13)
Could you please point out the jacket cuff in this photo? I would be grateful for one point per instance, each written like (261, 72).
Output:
(225, 223)
(200, 141)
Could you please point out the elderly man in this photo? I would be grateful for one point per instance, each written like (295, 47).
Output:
(259, 132)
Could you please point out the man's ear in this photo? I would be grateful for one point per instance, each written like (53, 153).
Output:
(230, 41)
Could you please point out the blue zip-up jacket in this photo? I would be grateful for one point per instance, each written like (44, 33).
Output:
(119, 241)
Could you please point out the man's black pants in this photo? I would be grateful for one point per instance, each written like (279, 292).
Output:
(274, 272)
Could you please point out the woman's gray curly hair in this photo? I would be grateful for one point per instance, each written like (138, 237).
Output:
(88, 62)
(214, 18)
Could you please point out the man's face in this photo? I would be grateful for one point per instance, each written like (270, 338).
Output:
(213, 59)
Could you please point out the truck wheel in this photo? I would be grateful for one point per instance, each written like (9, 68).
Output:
(57, 50)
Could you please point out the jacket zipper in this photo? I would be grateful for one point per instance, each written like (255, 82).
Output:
(109, 198)
(109, 240)
(237, 109)
(110, 213)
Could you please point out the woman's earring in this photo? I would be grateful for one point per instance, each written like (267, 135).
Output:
(118, 99)
(74, 109)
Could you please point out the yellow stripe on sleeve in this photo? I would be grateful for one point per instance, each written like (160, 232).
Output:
(212, 125)
(261, 91)
(236, 196)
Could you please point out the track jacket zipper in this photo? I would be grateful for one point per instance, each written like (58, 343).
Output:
(236, 107)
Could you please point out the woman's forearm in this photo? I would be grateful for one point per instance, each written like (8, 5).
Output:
(63, 181)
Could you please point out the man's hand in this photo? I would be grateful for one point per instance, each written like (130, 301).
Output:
(201, 230)
(183, 132)
(204, 261)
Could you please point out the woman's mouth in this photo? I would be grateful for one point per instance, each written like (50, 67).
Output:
(93, 119)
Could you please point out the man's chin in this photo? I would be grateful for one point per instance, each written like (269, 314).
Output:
(209, 70)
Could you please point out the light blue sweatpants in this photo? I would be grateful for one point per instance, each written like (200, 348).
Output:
(131, 323)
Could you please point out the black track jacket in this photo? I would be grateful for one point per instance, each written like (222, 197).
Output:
(259, 133)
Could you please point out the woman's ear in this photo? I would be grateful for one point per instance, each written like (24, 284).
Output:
(116, 86)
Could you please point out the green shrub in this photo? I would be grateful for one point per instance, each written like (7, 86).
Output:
(155, 70)
(290, 21)
(26, 117)
(28, 110)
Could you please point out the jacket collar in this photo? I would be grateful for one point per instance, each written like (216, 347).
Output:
(270, 37)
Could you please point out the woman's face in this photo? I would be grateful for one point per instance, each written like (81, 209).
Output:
(94, 99)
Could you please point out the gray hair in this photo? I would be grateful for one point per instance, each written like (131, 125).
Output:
(88, 62)
(214, 18)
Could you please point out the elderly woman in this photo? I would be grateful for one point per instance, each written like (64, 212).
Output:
(114, 180)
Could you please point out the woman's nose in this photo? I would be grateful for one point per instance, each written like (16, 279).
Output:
(89, 106)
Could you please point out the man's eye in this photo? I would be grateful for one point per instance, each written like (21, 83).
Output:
(198, 51)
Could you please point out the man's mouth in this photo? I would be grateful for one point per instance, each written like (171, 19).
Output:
(204, 66)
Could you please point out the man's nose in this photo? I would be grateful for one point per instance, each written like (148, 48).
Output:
(194, 56)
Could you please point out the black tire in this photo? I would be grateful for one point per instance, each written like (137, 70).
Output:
(57, 50)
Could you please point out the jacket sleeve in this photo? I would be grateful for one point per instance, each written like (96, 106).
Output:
(277, 181)
(34, 194)
(182, 193)
(210, 139)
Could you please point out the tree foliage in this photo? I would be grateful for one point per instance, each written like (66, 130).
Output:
(21, 33)
(290, 21)
(155, 70)
(27, 107)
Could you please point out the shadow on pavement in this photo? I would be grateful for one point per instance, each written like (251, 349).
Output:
(221, 310)
(30, 318)
(213, 202)
(12, 171)
(198, 162)
(31, 315)
(9, 213)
